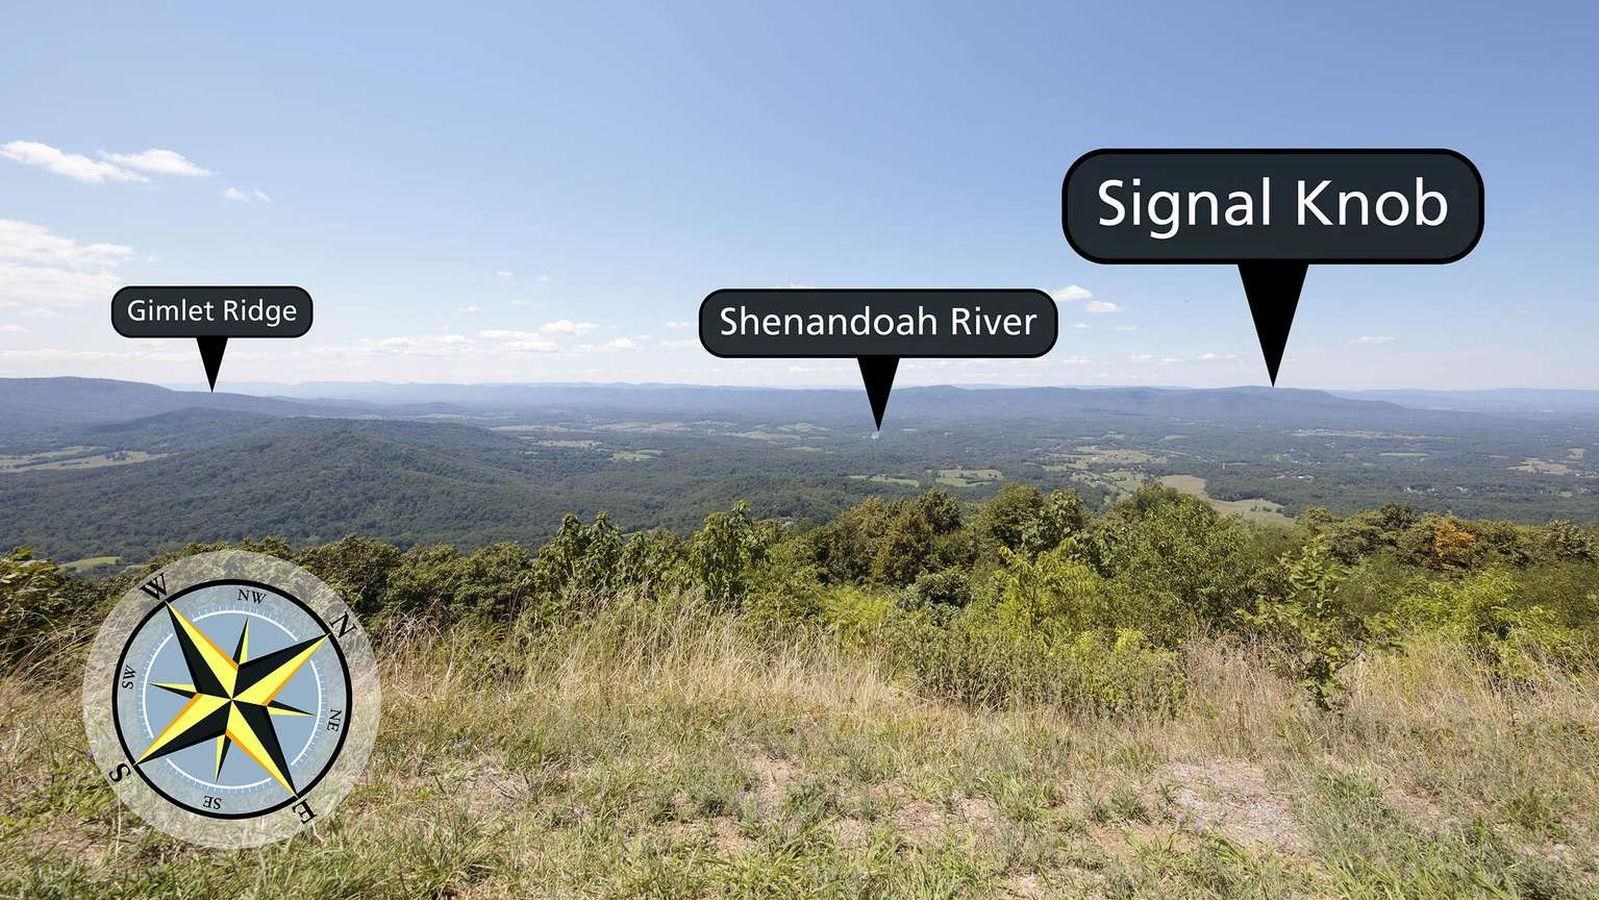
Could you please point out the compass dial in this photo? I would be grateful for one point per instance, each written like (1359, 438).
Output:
(231, 698)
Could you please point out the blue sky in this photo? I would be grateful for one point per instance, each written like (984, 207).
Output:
(512, 192)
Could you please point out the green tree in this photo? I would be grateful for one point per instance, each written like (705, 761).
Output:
(724, 553)
(1061, 515)
(1185, 562)
(1567, 542)
(579, 567)
(1007, 517)
(357, 567)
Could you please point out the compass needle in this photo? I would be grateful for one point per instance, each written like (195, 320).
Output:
(242, 650)
(213, 671)
(262, 679)
(195, 722)
(182, 690)
(255, 737)
(279, 708)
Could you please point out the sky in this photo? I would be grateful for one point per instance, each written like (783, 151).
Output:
(519, 192)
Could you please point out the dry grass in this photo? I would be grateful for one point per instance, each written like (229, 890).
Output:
(667, 755)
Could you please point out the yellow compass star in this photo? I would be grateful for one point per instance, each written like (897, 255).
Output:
(232, 699)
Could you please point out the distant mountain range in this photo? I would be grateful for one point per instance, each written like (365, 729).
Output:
(94, 467)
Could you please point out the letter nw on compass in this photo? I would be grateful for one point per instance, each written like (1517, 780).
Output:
(232, 699)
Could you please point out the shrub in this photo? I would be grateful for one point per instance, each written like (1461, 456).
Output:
(1023, 518)
(578, 569)
(653, 562)
(855, 614)
(357, 567)
(41, 608)
(949, 587)
(1315, 634)
(844, 549)
(974, 662)
(1483, 612)
(1440, 543)
(1186, 564)
(1568, 543)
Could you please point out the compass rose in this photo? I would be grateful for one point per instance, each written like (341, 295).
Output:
(231, 698)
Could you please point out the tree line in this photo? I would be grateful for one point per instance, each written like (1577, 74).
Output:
(1030, 596)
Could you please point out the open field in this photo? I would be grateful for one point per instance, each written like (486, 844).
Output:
(674, 756)
(887, 479)
(72, 459)
(90, 563)
(961, 478)
(1257, 509)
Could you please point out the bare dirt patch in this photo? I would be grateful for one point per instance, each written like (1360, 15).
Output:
(491, 791)
(1232, 797)
(851, 833)
(727, 838)
(772, 778)
(920, 821)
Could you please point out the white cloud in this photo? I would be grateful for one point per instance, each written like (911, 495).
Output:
(1373, 339)
(59, 354)
(158, 162)
(72, 165)
(437, 345)
(1126, 327)
(533, 345)
(251, 196)
(503, 275)
(41, 312)
(1215, 357)
(1071, 293)
(471, 308)
(1080, 325)
(520, 341)
(544, 279)
(621, 343)
(680, 345)
(567, 326)
(30, 243)
(42, 269)
(679, 326)
(12, 329)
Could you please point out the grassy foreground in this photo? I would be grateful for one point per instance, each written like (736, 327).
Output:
(665, 753)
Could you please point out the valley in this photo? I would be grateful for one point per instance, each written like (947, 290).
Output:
(129, 470)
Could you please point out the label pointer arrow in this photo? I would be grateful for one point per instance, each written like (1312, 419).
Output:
(878, 374)
(1273, 290)
(211, 349)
